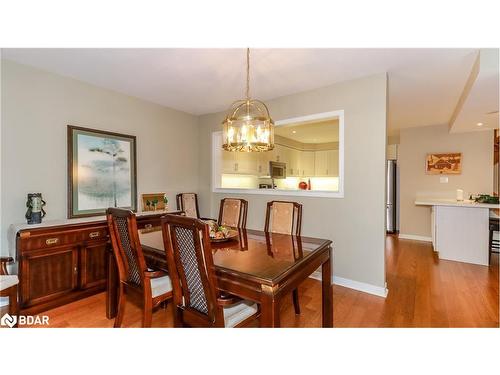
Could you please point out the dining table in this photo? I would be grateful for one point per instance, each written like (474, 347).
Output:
(255, 265)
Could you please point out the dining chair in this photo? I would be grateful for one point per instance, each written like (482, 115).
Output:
(149, 287)
(283, 217)
(233, 212)
(9, 287)
(197, 300)
(188, 202)
(286, 218)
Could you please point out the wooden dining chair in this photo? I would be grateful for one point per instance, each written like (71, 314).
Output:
(283, 217)
(286, 218)
(9, 287)
(188, 202)
(197, 299)
(150, 288)
(233, 212)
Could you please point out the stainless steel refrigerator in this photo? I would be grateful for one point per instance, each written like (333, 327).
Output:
(391, 199)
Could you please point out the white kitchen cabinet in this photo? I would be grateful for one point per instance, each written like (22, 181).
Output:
(326, 163)
(240, 162)
(333, 163)
(321, 163)
(292, 168)
(263, 162)
(306, 163)
(228, 162)
(247, 162)
(280, 153)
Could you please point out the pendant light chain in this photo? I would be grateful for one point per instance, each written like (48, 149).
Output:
(248, 73)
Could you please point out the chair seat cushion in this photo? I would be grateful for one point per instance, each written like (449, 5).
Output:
(235, 314)
(6, 281)
(161, 285)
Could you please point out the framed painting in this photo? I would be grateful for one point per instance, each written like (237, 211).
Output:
(450, 163)
(154, 202)
(101, 171)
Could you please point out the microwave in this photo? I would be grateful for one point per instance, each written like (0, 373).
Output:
(277, 169)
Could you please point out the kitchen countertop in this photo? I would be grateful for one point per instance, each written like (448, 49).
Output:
(454, 203)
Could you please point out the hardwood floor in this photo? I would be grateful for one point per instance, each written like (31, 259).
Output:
(423, 292)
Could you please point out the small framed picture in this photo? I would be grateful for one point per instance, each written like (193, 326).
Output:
(101, 171)
(450, 163)
(154, 202)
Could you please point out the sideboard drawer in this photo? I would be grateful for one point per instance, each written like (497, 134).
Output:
(93, 234)
(49, 240)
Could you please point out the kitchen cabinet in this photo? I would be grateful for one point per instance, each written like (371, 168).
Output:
(333, 163)
(263, 164)
(306, 163)
(247, 162)
(228, 162)
(326, 163)
(280, 153)
(321, 163)
(240, 162)
(293, 169)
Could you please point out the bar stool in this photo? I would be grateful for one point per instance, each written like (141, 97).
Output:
(493, 245)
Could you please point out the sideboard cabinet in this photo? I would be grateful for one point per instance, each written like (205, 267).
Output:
(60, 264)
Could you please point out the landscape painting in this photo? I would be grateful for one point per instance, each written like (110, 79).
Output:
(101, 171)
(450, 163)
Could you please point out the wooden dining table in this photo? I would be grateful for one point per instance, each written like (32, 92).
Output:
(255, 265)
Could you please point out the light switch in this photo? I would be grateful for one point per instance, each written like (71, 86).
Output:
(443, 179)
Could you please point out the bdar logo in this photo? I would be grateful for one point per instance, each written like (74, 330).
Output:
(8, 320)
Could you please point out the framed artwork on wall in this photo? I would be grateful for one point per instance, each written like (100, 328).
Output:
(449, 163)
(102, 171)
(154, 202)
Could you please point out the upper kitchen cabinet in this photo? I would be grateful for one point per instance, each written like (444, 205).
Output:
(293, 163)
(240, 162)
(306, 164)
(326, 163)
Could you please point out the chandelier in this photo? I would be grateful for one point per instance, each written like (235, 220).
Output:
(248, 127)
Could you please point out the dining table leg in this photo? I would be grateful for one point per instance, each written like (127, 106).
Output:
(111, 287)
(270, 308)
(327, 298)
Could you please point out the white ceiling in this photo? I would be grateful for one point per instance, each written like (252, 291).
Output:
(481, 103)
(311, 132)
(424, 84)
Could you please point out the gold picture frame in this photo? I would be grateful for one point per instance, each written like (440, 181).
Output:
(444, 163)
(156, 202)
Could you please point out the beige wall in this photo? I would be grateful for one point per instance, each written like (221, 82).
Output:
(38, 105)
(476, 177)
(355, 223)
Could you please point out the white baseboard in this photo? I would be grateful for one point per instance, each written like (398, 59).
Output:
(414, 237)
(356, 285)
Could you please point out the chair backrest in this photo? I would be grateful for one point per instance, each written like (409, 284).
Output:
(188, 202)
(191, 268)
(127, 249)
(233, 212)
(283, 217)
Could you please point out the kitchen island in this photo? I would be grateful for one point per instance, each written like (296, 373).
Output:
(460, 229)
